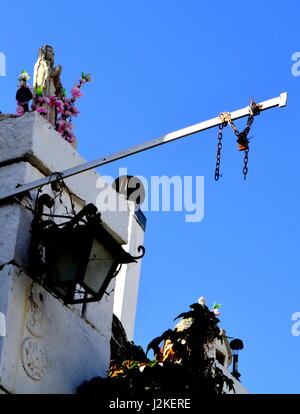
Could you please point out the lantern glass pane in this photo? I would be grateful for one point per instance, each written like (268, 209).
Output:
(100, 263)
(64, 264)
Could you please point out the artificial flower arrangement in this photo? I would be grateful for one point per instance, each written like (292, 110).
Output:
(64, 106)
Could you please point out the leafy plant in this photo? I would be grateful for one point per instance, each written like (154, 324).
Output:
(181, 365)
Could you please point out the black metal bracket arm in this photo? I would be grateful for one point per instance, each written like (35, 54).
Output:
(140, 248)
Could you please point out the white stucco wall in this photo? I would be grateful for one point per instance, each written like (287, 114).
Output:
(127, 281)
(51, 348)
(32, 139)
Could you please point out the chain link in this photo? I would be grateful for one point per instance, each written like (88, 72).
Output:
(243, 142)
(245, 168)
(219, 147)
(242, 137)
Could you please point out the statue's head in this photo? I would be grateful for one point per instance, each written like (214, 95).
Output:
(47, 53)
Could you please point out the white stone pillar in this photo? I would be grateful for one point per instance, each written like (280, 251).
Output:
(51, 348)
(127, 281)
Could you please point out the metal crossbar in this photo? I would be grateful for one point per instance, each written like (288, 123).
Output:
(279, 101)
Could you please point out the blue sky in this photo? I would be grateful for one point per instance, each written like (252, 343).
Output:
(163, 65)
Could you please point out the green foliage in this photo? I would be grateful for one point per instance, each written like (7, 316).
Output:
(39, 91)
(181, 365)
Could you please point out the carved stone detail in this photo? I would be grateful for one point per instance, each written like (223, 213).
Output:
(35, 322)
(33, 358)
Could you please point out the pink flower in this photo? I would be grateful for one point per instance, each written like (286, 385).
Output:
(216, 312)
(43, 99)
(52, 100)
(69, 132)
(61, 123)
(81, 80)
(70, 138)
(74, 111)
(66, 100)
(59, 106)
(20, 110)
(42, 110)
(69, 125)
(61, 130)
(76, 92)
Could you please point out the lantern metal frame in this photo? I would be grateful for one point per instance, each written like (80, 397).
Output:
(74, 240)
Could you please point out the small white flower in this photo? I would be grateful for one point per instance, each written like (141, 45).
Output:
(201, 300)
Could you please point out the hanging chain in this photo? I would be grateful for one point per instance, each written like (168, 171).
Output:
(245, 168)
(219, 147)
(243, 143)
(223, 117)
(242, 137)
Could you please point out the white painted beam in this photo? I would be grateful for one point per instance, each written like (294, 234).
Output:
(279, 101)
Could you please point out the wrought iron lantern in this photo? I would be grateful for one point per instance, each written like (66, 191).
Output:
(80, 256)
(236, 345)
